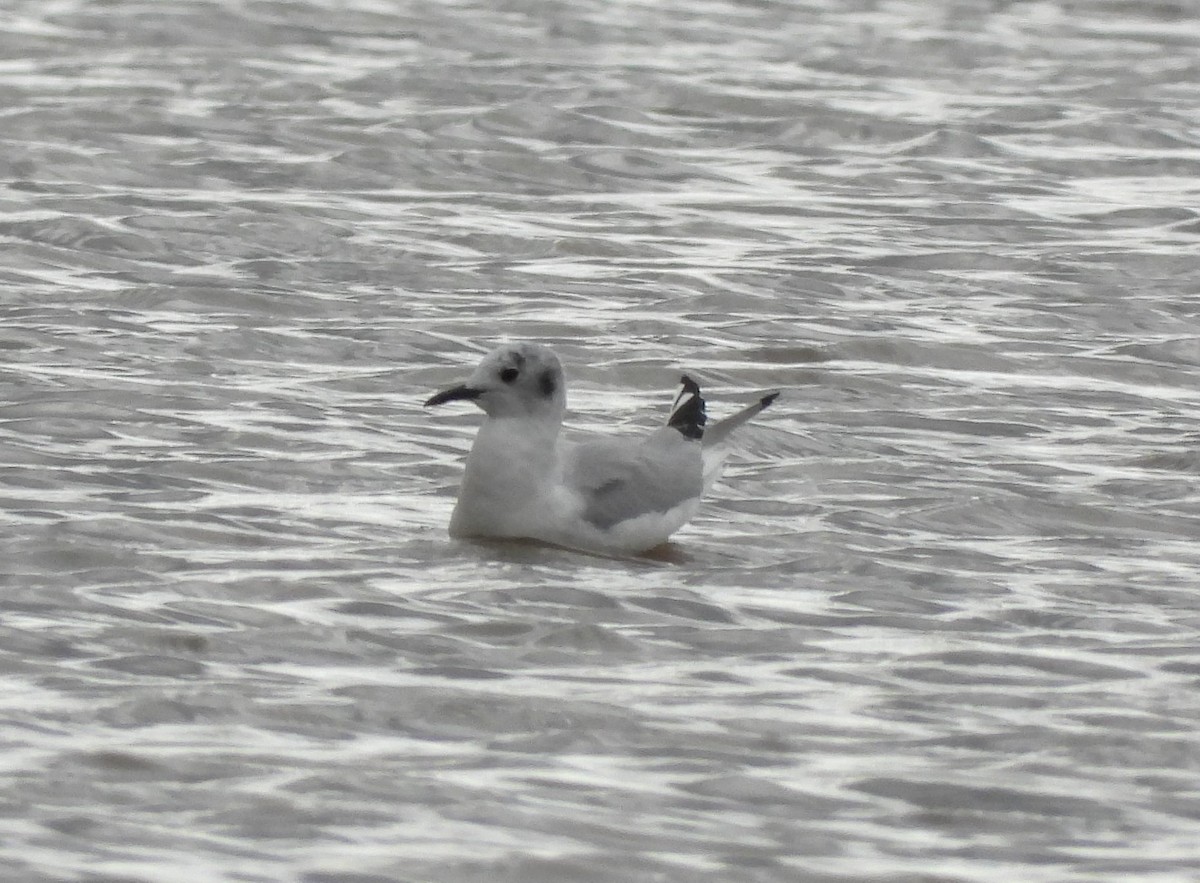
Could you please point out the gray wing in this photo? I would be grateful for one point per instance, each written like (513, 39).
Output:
(618, 480)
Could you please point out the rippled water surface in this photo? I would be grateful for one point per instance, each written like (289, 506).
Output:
(940, 621)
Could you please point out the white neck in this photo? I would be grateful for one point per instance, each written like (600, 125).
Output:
(510, 463)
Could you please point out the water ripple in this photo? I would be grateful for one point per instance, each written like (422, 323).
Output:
(938, 620)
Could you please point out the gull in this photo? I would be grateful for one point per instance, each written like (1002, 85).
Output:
(609, 495)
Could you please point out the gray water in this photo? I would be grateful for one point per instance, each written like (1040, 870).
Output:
(939, 622)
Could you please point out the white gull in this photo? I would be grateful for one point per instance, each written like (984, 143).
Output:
(616, 495)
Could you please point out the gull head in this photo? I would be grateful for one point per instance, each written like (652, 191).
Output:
(515, 380)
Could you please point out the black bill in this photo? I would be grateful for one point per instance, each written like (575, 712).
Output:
(454, 394)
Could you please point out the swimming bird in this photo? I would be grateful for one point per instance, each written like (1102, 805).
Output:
(611, 495)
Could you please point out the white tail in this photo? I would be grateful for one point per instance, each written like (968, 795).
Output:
(716, 438)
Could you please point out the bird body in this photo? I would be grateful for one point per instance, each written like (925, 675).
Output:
(610, 495)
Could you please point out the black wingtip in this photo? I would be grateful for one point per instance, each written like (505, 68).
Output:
(687, 414)
(768, 398)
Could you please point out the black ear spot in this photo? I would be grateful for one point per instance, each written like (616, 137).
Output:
(547, 383)
(508, 375)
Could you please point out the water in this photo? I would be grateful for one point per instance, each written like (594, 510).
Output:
(938, 623)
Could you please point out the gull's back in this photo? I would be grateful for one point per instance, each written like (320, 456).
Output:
(632, 494)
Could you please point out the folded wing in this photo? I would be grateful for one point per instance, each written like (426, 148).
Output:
(617, 481)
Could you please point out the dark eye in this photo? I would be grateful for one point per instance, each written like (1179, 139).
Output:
(508, 375)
